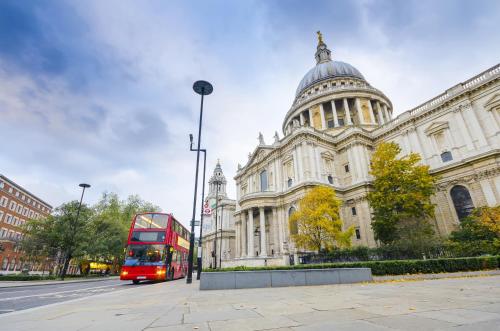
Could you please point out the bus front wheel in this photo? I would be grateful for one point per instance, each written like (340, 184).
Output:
(135, 281)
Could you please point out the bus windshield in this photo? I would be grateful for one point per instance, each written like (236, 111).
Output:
(151, 221)
(145, 254)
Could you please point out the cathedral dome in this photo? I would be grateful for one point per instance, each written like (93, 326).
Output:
(327, 70)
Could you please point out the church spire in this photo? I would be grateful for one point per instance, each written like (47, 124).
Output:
(323, 54)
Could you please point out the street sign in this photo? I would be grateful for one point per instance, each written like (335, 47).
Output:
(197, 223)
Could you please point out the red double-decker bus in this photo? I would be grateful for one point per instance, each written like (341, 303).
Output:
(157, 249)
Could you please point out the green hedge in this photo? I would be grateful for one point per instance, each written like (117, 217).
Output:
(396, 267)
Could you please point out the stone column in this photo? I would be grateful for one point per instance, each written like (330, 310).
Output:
(251, 248)
(459, 119)
(263, 244)
(476, 129)
(379, 114)
(310, 118)
(279, 175)
(352, 165)
(334, 113)
(237, 240)
(281, 228)
(386, 113)
(372, 115)
(301, 116)
(295, 166)
(276, 240)
(300, 166)
(322, 114)
(243, 235)
(347, 112)
(360, 113)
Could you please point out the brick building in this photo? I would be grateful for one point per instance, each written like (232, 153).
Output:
(17, 205)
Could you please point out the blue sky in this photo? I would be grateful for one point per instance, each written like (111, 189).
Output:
(101, 91)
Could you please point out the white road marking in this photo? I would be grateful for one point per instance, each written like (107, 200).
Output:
(88, 289)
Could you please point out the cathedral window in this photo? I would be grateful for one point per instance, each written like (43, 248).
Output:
(353, 211)
(462, 201)
(330, 124)
(341, 122)
(446, 156)
(358, 234)
(263, 180)
(346, 168)
(330, 179)
(290, 182)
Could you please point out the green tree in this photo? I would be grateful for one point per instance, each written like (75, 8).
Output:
(60, 234)
(400, 199)
(40, 242)
(317, 225)
(109, 227)
(478, 233)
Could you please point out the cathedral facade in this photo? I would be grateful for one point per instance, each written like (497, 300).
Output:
(336, 121)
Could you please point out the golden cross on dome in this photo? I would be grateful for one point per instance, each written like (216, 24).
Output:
(320, 38)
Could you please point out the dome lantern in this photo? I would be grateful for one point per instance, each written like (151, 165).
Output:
(323, 54)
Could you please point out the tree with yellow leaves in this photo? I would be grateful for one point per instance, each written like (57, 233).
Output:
(490, 218)
(317, 225)
(400, 199)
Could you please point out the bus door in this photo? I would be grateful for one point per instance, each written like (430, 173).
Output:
(168, 262)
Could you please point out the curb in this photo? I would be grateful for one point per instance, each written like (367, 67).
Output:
(54, 282)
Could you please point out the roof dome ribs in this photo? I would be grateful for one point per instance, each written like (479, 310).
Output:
(326, 68)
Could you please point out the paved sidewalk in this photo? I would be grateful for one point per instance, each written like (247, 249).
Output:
(438, 276)
(21, 283)
(443, 304)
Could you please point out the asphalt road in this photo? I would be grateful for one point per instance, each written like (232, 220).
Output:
(20, 298)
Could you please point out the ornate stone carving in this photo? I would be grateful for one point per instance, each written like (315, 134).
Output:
(261, 139)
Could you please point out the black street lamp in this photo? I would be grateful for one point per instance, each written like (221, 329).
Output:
(68, 254)
(202, 88)
(200, 252)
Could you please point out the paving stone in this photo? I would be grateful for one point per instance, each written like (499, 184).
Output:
(493, 325)
(345, 326)
(411, 322)
(221, 315)
(460, 316)
(251, 324)
(183, 327)
(339, 315)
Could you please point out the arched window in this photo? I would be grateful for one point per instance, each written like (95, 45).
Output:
(290, 182)
(462, 201)
(330, 179)
(293, 225)
(263, 180)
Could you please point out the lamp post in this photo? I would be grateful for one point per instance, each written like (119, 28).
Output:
(200, 252)
(69, 253)
(202, 88)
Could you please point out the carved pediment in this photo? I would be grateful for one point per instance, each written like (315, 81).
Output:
(493, 102)
(258, 155)
(436, 127)
(327, 155)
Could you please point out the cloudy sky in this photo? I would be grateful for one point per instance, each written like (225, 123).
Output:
(101, 91)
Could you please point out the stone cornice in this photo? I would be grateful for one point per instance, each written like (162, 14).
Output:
(444, 100)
